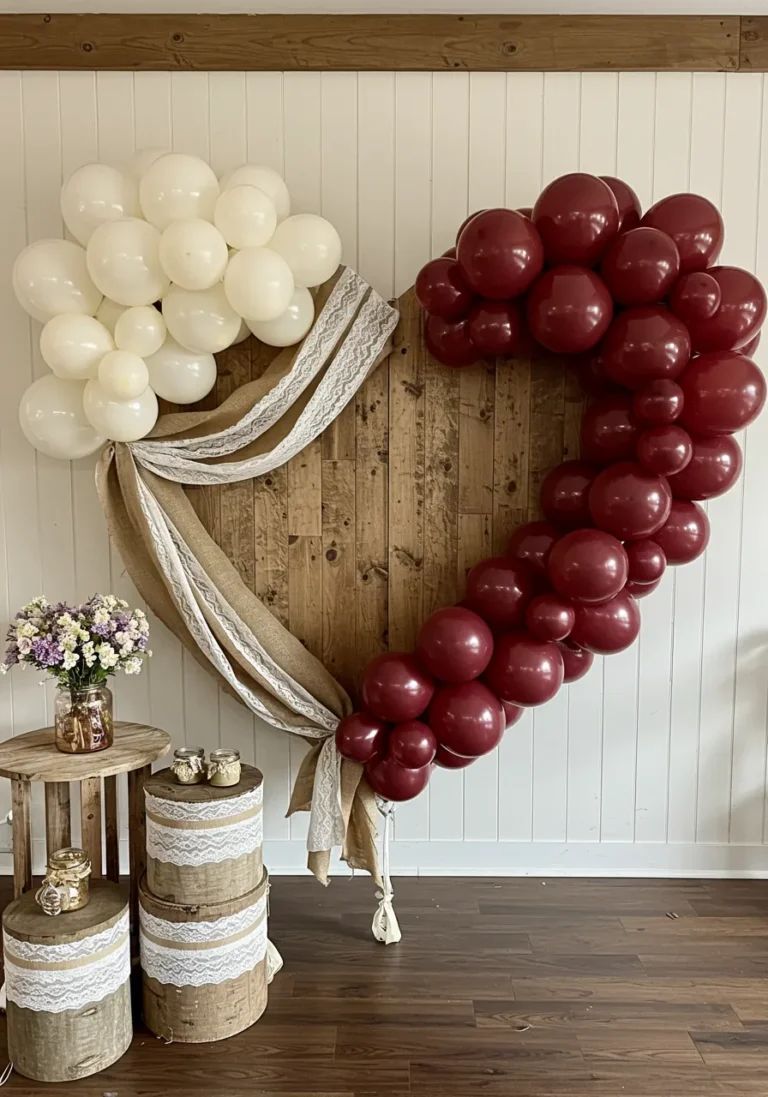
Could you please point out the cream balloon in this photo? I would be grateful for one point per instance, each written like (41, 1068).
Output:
(73, 345)
(202, 321)
(258, 284)
(142, 160)
(178, 187)
(266, 179)
(311, 247)
(120, 420)
(94, 194)
(123, 375)
(140, 330)
(245, 216)
(291, 327)
(180, 375)
(124, 262)
(243, 334)
(51, 277)
(194, 254)
(52, 418)
(108, 313)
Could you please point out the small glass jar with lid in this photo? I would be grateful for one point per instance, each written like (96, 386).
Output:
(188, 766)
(224, 767)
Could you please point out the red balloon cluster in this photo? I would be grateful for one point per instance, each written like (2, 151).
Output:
(663, 338)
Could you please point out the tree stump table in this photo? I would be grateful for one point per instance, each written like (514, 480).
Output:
(34, 757)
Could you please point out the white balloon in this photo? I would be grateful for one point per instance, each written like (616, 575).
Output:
(120, 420)
(202, 321)
(245, 216)
(51, 277)
(243, 334)
(94, 194)
(178, 187)
(258, 284)
(123, 375)
(291, 326)
(108, 313)
(311, 247)
(180, 375)
(140, 330)
(73, 345)
(124, 262)
(142, 160)
(52, 418)
(266, 179)
(193, 253)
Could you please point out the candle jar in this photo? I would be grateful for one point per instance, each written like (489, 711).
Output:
(188, 766)
(224, 767)
(65, 886)
(83, 719)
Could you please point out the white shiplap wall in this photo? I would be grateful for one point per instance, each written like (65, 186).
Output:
(654, 763)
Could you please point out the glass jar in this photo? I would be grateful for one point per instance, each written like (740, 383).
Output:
(224, 767)
(83, 719)
(65, 886)
(188, 766)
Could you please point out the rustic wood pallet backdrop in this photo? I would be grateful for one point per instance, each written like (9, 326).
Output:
(375, 525)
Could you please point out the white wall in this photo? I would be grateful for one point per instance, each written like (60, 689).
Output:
(656, 762)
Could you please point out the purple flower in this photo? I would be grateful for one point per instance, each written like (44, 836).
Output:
(47, 652)
(141, 643)
(11, 655)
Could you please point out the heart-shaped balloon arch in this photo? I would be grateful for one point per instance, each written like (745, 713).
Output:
(661, 337)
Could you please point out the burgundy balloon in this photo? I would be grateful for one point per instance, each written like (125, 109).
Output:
(592, 376)
(441, 290)
(500, 253)
(629, 502)
(467, 718)
(549, 617)
(694, 224)
(565, 493)
(610, 627)
(394, 782)
(630, 209)
(609, 431)
(723, 392)
(576, 661)
(525, 671)
(685, 534)
(499, 589)
(412, 744)
(449, 342)
(658, 402)
(643, 344)
(588, 565)
(495, 326)
(532, 542)
(361, 737)
(739, 317)
(640, 266)
(450, 254)
(512, 714)
(569, 309)
(695, 297)
(446, 759)
(714, 466)
(526, 211)
(395, 687)
(577, 216)
(748, 350)
(455, 644)
(664, 450)
(646, 561)
(640, 590)
(466, 221)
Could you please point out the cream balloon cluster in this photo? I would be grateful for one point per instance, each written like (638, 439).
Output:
(171, 266)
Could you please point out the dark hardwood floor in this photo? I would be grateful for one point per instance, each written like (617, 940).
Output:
(520, 988)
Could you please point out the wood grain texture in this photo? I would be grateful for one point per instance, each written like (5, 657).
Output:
(488, 43)
(753, 53)
(21, 805)
(33, 756)
(90, 822)
(137, 837)
(111, 829)
(58, 823)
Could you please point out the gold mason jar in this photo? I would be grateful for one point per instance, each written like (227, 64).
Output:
(65, 886)
(224, 767)
(188, 766)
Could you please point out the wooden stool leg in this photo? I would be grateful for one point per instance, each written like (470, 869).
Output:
(21, 798)
(137, 835)
(58, 826)
(90, 821)
(111, 836)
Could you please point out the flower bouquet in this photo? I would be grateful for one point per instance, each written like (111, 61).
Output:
(80, 646)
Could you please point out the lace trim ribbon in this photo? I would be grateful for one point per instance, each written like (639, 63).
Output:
(204, 845)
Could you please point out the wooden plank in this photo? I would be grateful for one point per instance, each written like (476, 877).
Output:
(270, 531)
(753, 51)
(475, 543)
(21, 802)
(305, 591)
(476, 397)
(137, 837)
(511, 446)
(58, 824)
(160, 42)
(339, 651)
(237, 532)
(90, 822)
(111, 829)
(547, 415)
(441, 487)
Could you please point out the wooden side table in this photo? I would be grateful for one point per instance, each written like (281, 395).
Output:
(34, 757)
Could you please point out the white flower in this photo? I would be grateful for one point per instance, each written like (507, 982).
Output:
(24, 645)
(25, 628)
(65, 620)
(107, 656)
(101, 616)
(70, 660)
(127, 647)
(89, 655)
(139, 613)
(133, 666)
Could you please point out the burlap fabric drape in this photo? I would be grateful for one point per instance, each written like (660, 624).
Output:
(195, 590)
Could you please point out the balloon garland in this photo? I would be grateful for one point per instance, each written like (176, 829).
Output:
(170, 266)
(661, 338)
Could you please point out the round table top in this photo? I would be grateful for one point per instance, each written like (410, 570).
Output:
(34, 757)
(26, 921)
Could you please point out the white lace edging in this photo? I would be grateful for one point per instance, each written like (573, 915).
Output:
(182, 811)
(54, 990)
(204, 846)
